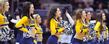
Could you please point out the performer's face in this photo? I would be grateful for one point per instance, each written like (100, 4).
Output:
(83, 14)
(89, 15)
(58, 12)
(31, 9)
(38, 19)
(6, 6)
(103, 16)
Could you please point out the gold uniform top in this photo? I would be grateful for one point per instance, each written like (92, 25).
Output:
(21, 24)
(39, 33)
(2, 19)
(97, 29)
(80, 31)
(54, 28)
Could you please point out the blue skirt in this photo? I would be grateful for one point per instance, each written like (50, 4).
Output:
(77, 41)
(19, 36)
(39, 42)
(27, 41)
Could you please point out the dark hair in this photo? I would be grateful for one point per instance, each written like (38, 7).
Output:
(26, 8)
(100, 19)
(51, 14)
(99, 16)
(78, 13)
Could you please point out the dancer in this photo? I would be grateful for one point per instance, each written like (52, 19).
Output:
(6, 33)
(80, 27)
(101, 28)
(54, 26)
(24, 23)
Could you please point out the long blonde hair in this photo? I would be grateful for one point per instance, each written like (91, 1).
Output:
(2, 5)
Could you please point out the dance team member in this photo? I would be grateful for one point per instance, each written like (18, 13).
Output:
(80, 27)
(38, 28)
(53, 24)
(6, 36)
(101, 28)
(24, 23)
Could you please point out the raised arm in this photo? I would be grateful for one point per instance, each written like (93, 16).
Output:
(70, 18)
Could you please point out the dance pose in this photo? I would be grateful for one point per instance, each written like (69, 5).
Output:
(54, 26)
(7, 34)
(24, 23)
(80, 27)
(101, 28)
